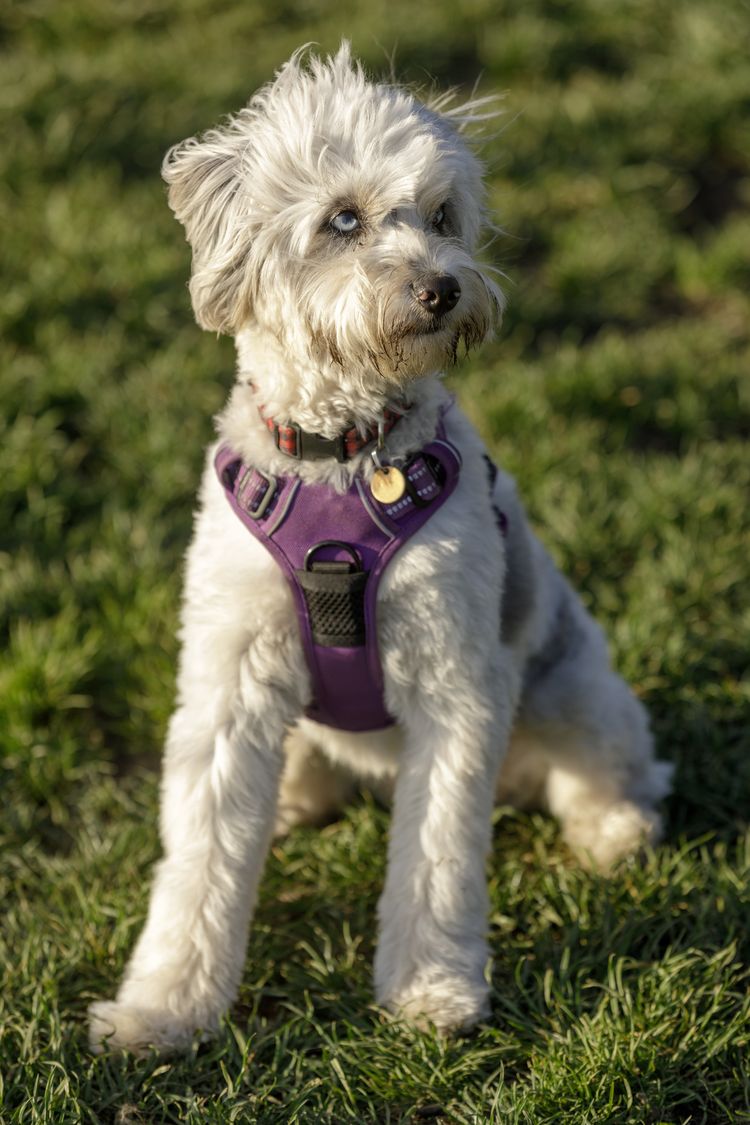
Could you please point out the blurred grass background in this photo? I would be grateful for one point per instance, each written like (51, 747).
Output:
(617, 392)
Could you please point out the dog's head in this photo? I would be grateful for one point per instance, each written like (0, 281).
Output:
(341, 216)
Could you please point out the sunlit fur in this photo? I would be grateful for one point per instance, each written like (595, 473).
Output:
(489, 659)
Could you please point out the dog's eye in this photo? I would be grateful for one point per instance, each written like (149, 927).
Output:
(439, 218)
(346, 222)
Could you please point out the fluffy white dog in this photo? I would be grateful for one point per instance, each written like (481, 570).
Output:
(333, 223)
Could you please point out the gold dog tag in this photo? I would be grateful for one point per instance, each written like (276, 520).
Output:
(388, 484)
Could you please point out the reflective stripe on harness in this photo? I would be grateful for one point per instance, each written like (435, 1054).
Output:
(333, 549)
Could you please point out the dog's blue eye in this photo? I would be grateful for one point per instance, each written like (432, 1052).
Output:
(438, 218)
(346, 222)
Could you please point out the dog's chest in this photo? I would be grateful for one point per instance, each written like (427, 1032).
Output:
(333, 549)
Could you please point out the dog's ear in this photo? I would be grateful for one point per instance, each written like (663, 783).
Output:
(207, 194)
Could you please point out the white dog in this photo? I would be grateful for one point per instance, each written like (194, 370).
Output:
(333, 224)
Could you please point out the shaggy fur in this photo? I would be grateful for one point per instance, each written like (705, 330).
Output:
(489, 658)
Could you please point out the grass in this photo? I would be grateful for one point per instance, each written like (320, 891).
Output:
(617, 394)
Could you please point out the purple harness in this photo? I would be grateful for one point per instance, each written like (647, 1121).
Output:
(333, 549)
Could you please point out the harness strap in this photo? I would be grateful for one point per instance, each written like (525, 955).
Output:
(333, 549)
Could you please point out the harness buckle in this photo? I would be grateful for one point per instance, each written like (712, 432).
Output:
(314, 447)
(257, 511)
(423, 483)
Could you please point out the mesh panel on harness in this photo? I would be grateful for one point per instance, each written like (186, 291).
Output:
(335, 605)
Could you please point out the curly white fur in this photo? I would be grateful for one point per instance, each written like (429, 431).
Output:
(487, 653)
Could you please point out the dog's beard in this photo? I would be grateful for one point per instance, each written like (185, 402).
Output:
(411, 350)
(387, 337)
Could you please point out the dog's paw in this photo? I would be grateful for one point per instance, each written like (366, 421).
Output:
(448, 1002)
(114, 1026)
(618, 832)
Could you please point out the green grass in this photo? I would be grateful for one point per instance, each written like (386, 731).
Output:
(617, 393)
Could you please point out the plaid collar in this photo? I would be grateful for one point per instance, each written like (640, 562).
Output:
(304, 446)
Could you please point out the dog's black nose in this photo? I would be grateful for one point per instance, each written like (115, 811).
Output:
(438, 293)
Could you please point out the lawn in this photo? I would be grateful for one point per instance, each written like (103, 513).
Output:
(618, 393)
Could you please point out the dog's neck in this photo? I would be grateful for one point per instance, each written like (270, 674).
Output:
(323, 398)
(325, 401)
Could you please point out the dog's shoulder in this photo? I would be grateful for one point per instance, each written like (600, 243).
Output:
(227, 570)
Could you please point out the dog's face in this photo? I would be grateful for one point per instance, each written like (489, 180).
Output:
(341, 217)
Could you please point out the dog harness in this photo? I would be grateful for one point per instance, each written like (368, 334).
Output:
(333, 549)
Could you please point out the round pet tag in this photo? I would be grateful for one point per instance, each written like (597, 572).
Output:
(388, 484)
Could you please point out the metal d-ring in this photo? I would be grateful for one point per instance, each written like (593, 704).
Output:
(333, 543)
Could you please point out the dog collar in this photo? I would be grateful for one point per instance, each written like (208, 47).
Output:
(291, 439)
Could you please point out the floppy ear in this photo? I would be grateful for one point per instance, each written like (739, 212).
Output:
(206, 193)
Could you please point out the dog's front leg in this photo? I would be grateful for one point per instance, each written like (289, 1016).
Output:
(432, 952)
(221, 777)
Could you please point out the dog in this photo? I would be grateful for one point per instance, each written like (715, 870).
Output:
(334, 223)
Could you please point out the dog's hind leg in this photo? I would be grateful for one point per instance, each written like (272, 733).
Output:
(580, 718)
(312, 788)
(221, 777)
